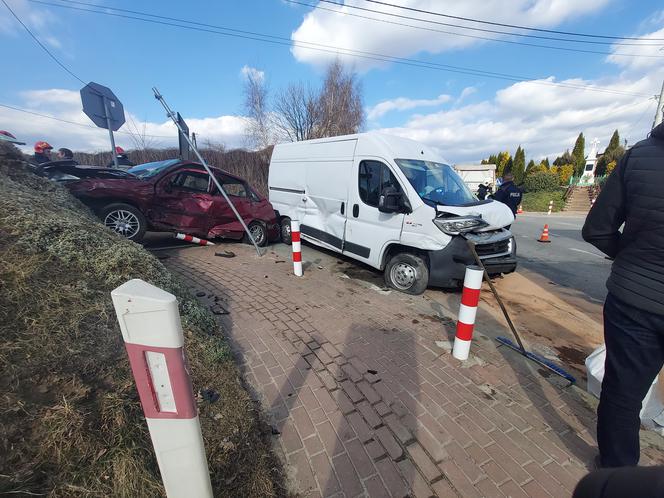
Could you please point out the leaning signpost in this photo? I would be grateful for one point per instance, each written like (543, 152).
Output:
(104, 109)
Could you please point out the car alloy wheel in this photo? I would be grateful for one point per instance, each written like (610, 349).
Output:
(123, 222)
(258, 234)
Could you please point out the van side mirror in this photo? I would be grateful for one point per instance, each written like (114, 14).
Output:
(390, 201)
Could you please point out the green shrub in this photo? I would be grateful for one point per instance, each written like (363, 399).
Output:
(541, 181)
(539, 201)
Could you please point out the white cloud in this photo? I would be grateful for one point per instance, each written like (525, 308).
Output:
(38, 19)
(81, 134)
(359, 34)
(543, 119)
(403, 104)
(255, 74)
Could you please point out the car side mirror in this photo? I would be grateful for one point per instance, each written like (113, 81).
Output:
(390, 201)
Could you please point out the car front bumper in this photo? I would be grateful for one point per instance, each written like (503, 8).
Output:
(447, 266)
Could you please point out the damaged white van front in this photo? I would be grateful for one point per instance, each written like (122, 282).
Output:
(392, 203)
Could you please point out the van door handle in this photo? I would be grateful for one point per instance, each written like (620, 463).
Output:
(343, 207)
(356, 210)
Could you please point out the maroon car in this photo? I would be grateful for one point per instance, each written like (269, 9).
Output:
(176, 196)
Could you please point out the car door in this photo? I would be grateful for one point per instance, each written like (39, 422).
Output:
(368, 230)
(223, 222)
(183, 201)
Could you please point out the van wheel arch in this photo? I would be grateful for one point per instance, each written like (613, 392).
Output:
(393, 249)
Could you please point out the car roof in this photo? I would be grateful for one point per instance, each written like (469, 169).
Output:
(180, 163)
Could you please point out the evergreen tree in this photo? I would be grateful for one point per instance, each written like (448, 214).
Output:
(519, 166)
(565, 158)
(545, 163)
(579, 155)
(503, 160)
(531, 164)
(612, 154)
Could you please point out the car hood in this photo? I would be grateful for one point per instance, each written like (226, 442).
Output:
(495, 213)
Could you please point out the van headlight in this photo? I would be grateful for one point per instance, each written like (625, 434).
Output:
(455, 226)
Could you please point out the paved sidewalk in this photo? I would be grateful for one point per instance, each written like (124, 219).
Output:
(365, 402)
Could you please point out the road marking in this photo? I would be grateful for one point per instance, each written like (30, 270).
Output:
(586, 252)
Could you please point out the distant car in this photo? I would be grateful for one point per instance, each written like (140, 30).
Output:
(177, 196)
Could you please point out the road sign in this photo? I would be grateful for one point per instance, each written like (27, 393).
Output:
(96, 100)
(185, 152)
(104, 109)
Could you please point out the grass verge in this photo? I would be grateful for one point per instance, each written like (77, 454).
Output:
(71, 423)
(539, 201)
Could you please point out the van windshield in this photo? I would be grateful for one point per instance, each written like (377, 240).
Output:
(436, 182)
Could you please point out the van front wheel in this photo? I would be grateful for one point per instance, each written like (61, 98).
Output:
(407, 273)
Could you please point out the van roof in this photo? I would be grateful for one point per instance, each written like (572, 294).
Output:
(370, 143)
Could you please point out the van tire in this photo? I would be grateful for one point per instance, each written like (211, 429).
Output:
(407, 272)
(284, 230)
(125, 220)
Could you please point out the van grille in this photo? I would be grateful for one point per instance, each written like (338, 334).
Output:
(494, 249)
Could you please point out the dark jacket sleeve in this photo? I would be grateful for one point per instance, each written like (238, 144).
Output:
(500, 195)
(601, 228)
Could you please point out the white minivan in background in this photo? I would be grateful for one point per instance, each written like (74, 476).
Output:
(391, 203)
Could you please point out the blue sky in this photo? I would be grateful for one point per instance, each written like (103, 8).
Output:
(467, 116)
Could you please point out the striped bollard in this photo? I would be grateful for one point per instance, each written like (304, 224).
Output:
(193, 240)
(472, 283)
(152, 333)
(297, 247)
(550, 207)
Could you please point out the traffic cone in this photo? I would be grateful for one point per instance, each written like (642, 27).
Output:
(519, 210)
(545, 235)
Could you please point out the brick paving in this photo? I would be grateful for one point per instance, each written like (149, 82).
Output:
(365, 402)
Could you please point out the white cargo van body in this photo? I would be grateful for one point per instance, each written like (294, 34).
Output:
(390, 202)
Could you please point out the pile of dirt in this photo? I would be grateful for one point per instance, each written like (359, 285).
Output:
(71, 423)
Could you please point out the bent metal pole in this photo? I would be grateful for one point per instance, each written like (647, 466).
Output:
(173, 117)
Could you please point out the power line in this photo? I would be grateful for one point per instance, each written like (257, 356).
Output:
(515, 26)
(236, 33)
(486, 30)
(465, 35)
(51, 55)
(47, 116)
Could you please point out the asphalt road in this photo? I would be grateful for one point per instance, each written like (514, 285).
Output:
(567, 260)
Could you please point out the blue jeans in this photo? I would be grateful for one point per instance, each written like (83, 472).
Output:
(634, 356)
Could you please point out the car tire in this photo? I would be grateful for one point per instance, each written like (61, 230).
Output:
(284, 230)
(125, 220)
(258, 232)
(407, 272)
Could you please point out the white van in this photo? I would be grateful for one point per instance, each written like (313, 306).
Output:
(389, 202)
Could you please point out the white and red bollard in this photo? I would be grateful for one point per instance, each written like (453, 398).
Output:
(193, 240)
(152, 333)
(297, 247)
(472, 283)
(550, 207)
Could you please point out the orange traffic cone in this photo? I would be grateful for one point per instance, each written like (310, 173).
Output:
(519, 210)
(545, 235)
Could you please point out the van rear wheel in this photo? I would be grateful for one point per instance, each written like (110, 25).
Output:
(285, 230)
(407, 273)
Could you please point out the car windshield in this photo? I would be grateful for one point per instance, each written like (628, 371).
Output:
(436, 182)
(149, 170)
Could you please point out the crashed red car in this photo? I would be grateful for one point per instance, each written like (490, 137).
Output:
(176, 196)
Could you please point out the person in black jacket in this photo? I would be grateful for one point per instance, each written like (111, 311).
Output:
(508, 193)
(634, 307)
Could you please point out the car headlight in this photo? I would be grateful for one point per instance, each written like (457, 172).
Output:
(455, 226)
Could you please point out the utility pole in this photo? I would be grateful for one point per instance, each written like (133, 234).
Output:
(660, 108)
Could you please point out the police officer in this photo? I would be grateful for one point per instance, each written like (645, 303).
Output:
(508, 193)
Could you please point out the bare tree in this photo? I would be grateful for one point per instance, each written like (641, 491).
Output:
(256, 107)
(340, 109)
(296, 113)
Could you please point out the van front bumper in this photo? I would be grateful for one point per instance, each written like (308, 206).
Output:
(447, 266)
